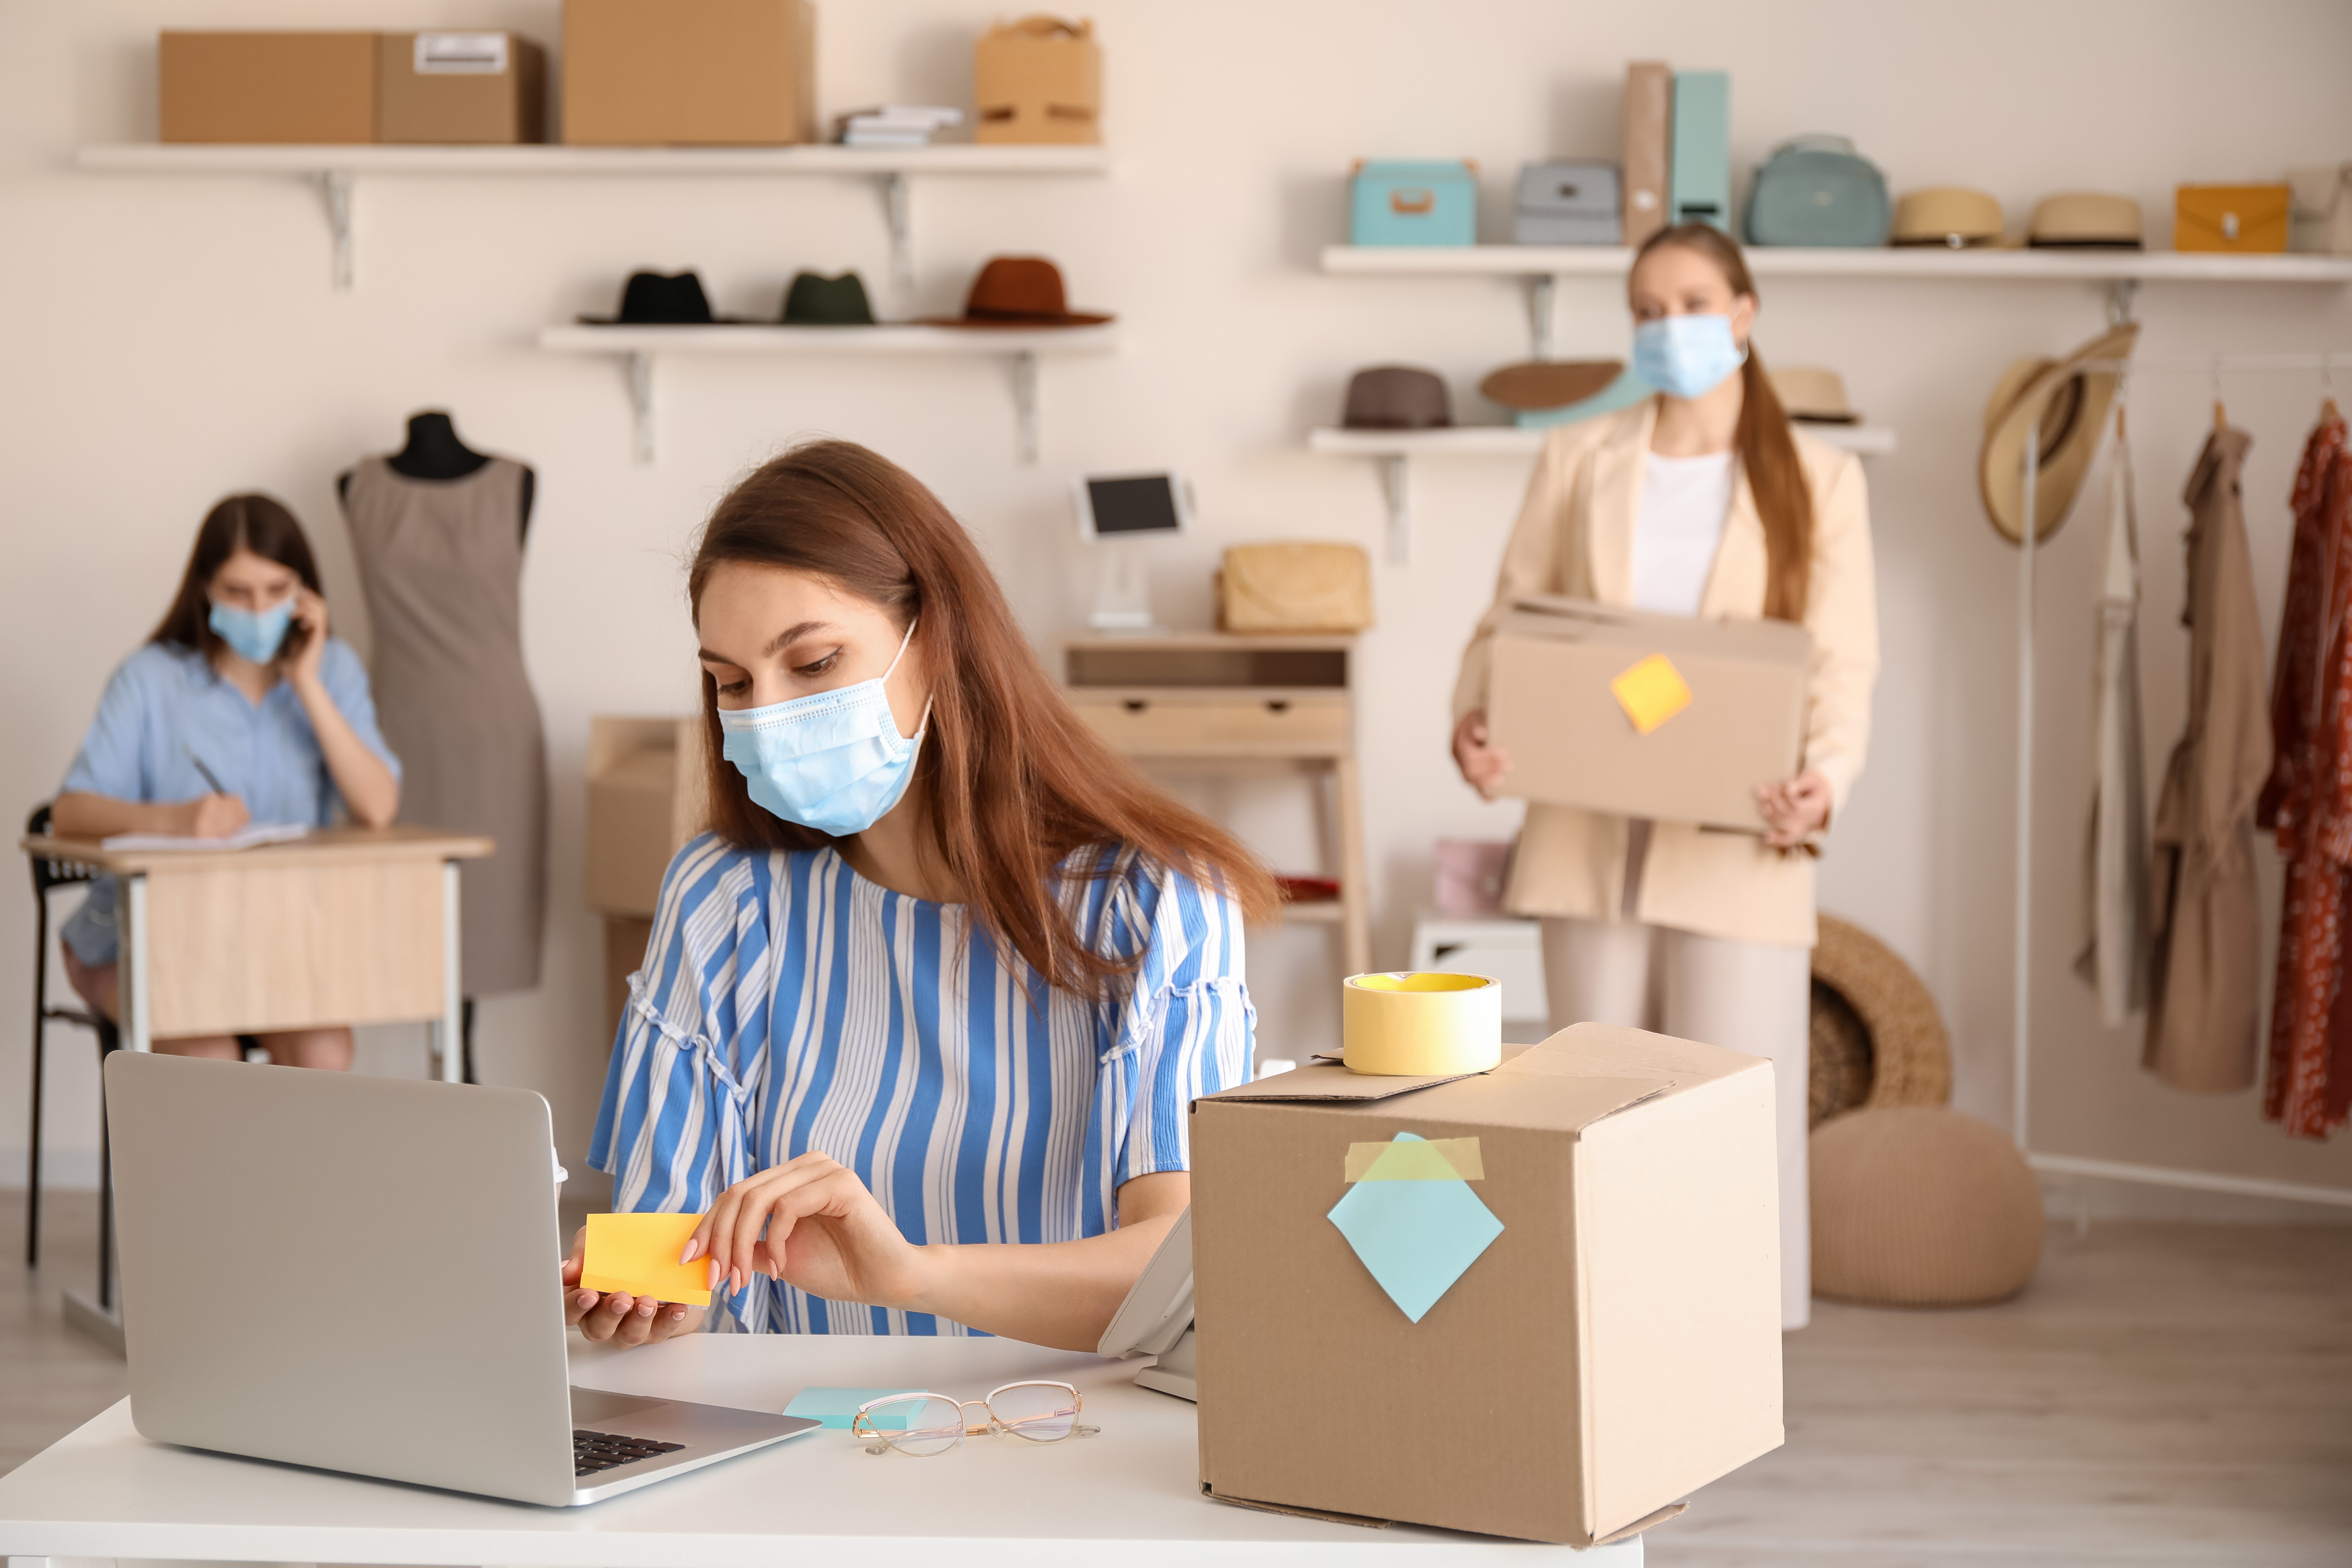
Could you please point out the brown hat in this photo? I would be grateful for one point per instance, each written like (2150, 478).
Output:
(1017, 292)
(2065, 405)
(1550, 383)
(1813, 394)
(1397, 397)
(1946, 215)
(2085, 220)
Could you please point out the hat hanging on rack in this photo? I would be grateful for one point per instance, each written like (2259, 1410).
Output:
(2064, 402)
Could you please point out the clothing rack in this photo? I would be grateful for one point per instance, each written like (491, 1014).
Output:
(2212, 367)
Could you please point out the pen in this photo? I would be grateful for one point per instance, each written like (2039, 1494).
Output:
(214, 783)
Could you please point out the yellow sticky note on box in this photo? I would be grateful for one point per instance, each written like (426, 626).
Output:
(637, 1253)
(1652, 693)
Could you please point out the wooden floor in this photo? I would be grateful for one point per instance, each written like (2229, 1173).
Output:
(2164, 1394)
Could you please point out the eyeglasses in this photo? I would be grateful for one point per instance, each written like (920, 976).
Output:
(927, 1424)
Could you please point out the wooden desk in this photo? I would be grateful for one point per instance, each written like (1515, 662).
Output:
(350, 925)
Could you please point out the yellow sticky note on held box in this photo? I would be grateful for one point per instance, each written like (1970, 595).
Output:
(1652, 693)
(637, 1253)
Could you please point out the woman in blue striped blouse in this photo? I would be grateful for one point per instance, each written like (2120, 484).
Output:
(923, 1014)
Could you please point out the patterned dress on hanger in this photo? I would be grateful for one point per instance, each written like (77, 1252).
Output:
(2309, 801)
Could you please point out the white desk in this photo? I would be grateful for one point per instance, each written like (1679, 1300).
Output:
(1130, 1496)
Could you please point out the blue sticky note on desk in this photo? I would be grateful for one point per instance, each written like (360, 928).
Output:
(837, 1406)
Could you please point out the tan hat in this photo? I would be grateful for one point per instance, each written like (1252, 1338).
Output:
(1946, 214)
(2067, 406)
(1813, 394)
(2085, 219)
(1550, 383)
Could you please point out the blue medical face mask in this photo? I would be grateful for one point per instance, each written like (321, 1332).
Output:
(254, 634)
(1685, 355)
(833, 761)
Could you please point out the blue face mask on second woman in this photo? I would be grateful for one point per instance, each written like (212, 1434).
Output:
(832, 761)
(254, 634)
(1685, 355)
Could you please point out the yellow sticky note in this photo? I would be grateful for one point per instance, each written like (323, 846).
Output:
(637, 1253)
(1652, 693)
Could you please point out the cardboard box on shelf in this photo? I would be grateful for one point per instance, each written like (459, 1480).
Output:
(1039, 79)
(644, 800)
(1667, 716)
(1540, 1302)
(460, 87)
(688, 72)
(245, 86)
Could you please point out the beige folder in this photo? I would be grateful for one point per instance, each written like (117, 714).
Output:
(1649, 109)
(1572, 743)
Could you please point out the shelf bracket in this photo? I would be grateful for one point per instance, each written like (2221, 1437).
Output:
(2120, 291)
(1396, 480)
(896, 212)
(641, 406)
(1024, 406)
(335, 185)
(1540, 289)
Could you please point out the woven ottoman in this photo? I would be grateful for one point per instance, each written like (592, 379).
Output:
(1917, 1206)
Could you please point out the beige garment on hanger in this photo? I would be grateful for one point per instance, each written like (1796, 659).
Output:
(2116, 948)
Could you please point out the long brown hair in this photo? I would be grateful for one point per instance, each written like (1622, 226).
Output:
(257, 522)
(1768, 448)
(1013, 779)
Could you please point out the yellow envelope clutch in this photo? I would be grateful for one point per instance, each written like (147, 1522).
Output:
(637, 1254)
(1651, 692)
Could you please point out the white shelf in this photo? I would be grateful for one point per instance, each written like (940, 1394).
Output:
(1500, 440)
(336, 167)
(1395, 450)
(640, 347)
(1922, 262)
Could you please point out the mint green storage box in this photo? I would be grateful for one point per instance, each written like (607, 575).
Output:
(1414, 204)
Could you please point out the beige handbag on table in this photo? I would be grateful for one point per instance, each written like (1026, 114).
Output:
(1298, 587)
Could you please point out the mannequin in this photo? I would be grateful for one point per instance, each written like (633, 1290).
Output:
(436, 452)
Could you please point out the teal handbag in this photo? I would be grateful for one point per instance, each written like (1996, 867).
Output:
(1818, 190)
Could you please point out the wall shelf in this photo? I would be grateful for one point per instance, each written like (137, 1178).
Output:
(1395, 450)
(640, 347)
(335, 168)
(1766, 261)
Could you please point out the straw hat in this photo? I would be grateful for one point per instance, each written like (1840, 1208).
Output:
(1815, 395)
(2067, 404)
(1874, 1026)
(2088, 220)
(1946, 214)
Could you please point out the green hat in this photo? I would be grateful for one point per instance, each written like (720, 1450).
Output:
(814, 301)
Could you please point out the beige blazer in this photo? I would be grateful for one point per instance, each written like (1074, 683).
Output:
(1575, 535)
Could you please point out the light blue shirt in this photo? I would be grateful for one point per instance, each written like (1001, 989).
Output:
(167, 704)
(787, 1003)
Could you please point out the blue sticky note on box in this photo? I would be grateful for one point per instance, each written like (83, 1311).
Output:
(1415, 1238)
(837, 1406)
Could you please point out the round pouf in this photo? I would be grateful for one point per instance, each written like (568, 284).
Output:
(1917, 1206)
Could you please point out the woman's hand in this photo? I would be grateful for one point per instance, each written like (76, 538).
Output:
(1794, 809)
(213, 816)
(1483, 765)
(302, 662)
(811, 1223)
(616, 1318)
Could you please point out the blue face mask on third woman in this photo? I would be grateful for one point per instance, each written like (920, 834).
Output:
(1685, 355)
(832, 761)
(254, 634)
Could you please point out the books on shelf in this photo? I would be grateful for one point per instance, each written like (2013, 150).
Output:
(894, 125)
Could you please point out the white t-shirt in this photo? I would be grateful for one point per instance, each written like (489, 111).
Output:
(1684, 501)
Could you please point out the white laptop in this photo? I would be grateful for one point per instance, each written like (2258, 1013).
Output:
(359, 1274)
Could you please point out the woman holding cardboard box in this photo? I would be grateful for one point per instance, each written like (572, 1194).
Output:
(1701, 501)
(921, 1016)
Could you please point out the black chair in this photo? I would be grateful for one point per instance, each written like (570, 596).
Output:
(48, 874)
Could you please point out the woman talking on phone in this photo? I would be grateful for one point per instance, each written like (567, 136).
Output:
(922, 1015)
(240, 708)
(1704, 502)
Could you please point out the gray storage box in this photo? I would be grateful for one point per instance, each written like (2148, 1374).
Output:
(1570, 202)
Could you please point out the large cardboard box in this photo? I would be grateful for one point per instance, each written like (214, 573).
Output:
(1614, 1345)
(460, 86)
(304, 88)
(1553, 703)
(1039, 79)
(688, 72)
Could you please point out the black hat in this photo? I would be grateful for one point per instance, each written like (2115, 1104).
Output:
(654, 300)
(814, 301)
(1397, 397)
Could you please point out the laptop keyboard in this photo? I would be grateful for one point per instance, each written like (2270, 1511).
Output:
(594, 1453)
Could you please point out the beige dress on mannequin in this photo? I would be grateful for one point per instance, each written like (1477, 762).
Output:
(442, 562)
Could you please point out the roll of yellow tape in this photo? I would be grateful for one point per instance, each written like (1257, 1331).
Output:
(1420, 1025)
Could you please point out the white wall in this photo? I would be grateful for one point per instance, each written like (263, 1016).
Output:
(170, 340)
